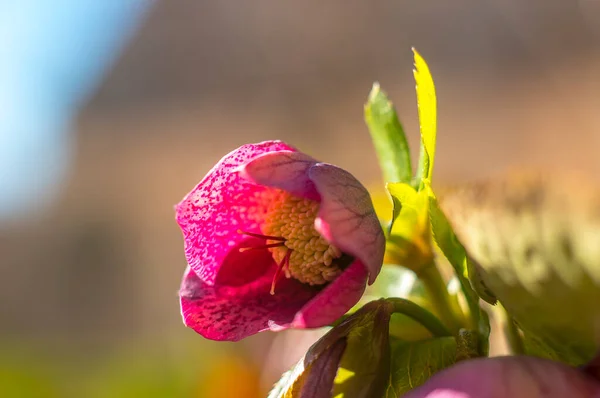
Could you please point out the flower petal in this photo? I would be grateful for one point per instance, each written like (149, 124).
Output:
(285, 170)
(346, 216)
(335, 299)
(232, 313)
(517, 377)
(220, 205)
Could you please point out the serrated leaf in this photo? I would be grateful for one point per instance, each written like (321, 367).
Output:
(414, 363)
(388, 137)
(535, 243)
(464, 270)
(452, 249)
(427, 104)
(471, 283)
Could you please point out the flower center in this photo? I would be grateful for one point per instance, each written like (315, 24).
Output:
(299, 250)
(311, 259)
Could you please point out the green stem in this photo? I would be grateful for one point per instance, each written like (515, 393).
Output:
(510, 331)
(438, 293)
(419, 314)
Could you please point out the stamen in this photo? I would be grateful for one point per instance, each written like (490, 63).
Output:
(278, 244)
(268, 237)
(284, 263)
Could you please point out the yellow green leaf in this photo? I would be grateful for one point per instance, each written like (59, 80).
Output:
(426, 101)
(409, 242)
(414, 363)
(471, 284)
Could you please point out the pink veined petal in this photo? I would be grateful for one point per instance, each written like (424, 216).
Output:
(335, 299)
(285, 170)
(232, 313)
(346, 216)
(213, 212)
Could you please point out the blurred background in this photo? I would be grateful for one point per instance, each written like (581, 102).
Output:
(110, 112)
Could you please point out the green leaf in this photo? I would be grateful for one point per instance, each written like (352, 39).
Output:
(365, 366)
(426, 100)
(452, 249)
(455, 253)
(414, 363)
(535, 245)
(352, 359)
(359, 348)
(470, 282)
(410, 207)
(409, 242)
(542, 348)
(388, 137)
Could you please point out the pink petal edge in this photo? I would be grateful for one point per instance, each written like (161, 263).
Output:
(233, 313)
(335, 299)
(346, 216)
(213, 212)
(284, 170)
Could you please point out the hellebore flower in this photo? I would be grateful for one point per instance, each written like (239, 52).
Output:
(275, 239)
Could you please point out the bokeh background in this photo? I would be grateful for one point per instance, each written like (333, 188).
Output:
(111, 111)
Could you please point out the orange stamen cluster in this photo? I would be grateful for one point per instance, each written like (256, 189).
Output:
(300, 251)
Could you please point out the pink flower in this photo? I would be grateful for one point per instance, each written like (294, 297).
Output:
(275, 240)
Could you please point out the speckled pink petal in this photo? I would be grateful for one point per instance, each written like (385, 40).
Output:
(233, 312)
(346, 216)
(212, 213)
(285, 170)
(335, 299)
